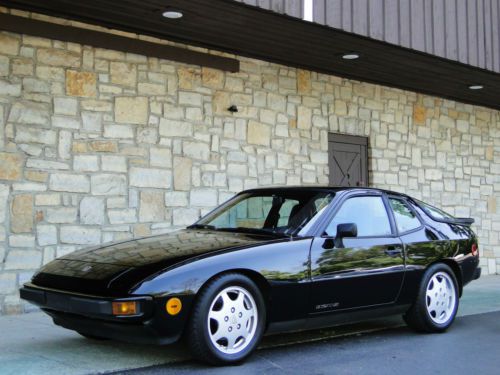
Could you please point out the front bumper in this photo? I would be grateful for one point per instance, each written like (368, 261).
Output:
(477, 273)
(93, 316)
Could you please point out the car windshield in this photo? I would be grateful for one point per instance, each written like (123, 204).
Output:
(277, 212)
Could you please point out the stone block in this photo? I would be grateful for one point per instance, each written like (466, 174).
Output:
(51, 199)
(9, 45)
(103, 146)
(212, 78)
(65, 106)
(189, 78)
(124, 74)
(58, 57)
(23, 260)
(85, 163)
(92, 121)
(22, 240)
(71, 183)
(160, 157)
(203, 197)
(304, 117)
(11, 166)
(258, 134)
(303, 82)
(152, 206)
(113, 163)
(196, 150)
(46, 234)
(4, 197)
(131, 110)
(8, 282)
(190, 98)
(61, 215)
(182, 173)
(82, 84)
(80, 235)
(118, 131)
(26, 112)
(127, 216)
(32, 134)
(4, 66)
(185, 216)
(21, 218)
(10, 89)
(92, 211)
(150, 177)
(172, 128)
(176, 199)
(109, 184)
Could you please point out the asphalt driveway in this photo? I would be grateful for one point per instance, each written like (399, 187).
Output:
(31, 344)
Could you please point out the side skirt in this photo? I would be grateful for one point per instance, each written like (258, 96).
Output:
(336, 319)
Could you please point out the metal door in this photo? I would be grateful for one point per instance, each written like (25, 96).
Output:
(348, 160)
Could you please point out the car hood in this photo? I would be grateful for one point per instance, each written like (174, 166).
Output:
(176, 246)
(113, 269)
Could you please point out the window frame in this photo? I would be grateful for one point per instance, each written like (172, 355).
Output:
(409, 206)
(330, 215)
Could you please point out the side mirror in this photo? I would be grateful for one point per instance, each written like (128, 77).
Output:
(345, 230)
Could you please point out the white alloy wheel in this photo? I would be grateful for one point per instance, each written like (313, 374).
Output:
(232, 320)
(440, 297)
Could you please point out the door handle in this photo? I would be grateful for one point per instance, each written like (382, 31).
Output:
(392, 251)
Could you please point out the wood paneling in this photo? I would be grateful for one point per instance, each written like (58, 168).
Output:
(462, 30)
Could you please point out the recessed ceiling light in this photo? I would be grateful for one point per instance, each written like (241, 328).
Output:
(172, 14)
(476, 87)
(350, 56)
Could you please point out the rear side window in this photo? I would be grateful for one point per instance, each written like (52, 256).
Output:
(434, 212)
(368, 213)
(406, 220)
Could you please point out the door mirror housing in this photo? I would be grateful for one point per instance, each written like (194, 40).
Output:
(345, 230)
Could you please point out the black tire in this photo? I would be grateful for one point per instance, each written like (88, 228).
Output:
(92, 337)
(422, 318)
(199, 332)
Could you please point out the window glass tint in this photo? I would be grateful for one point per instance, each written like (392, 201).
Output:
(405, 218)
(368, 213)
(434, 212)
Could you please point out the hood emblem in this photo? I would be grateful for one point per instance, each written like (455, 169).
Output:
(87, 268)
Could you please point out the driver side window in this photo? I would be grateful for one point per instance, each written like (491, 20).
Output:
(368, 213)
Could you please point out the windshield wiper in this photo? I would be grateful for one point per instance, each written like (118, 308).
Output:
(202, 226)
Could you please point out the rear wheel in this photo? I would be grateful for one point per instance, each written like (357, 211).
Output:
(436, 305)
(227, 321)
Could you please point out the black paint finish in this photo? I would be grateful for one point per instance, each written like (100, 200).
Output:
(306, 280)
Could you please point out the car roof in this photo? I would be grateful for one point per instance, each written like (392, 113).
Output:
(332, 189)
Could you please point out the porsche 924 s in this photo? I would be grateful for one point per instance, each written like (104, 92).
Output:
(267, 261)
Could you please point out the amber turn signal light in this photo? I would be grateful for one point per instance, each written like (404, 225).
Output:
(124, 308)
(173, 306)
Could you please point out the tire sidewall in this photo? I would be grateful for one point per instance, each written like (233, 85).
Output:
(206, 301)
(440, 267)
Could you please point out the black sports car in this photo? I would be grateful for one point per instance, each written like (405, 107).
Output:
(267, 261)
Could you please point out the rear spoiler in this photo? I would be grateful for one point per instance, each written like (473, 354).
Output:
(464, 220)
(456, 220)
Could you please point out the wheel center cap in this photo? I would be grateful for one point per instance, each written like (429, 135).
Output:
(234, 320)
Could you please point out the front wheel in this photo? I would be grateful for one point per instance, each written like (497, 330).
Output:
(436, 305)
(227, 321)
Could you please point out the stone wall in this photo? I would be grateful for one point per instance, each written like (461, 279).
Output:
(99, 145)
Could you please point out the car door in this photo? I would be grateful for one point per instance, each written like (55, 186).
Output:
(364, 270)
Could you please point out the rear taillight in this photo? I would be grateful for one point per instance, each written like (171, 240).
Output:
(474, 250)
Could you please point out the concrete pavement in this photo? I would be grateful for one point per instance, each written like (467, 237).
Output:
(32, 344)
